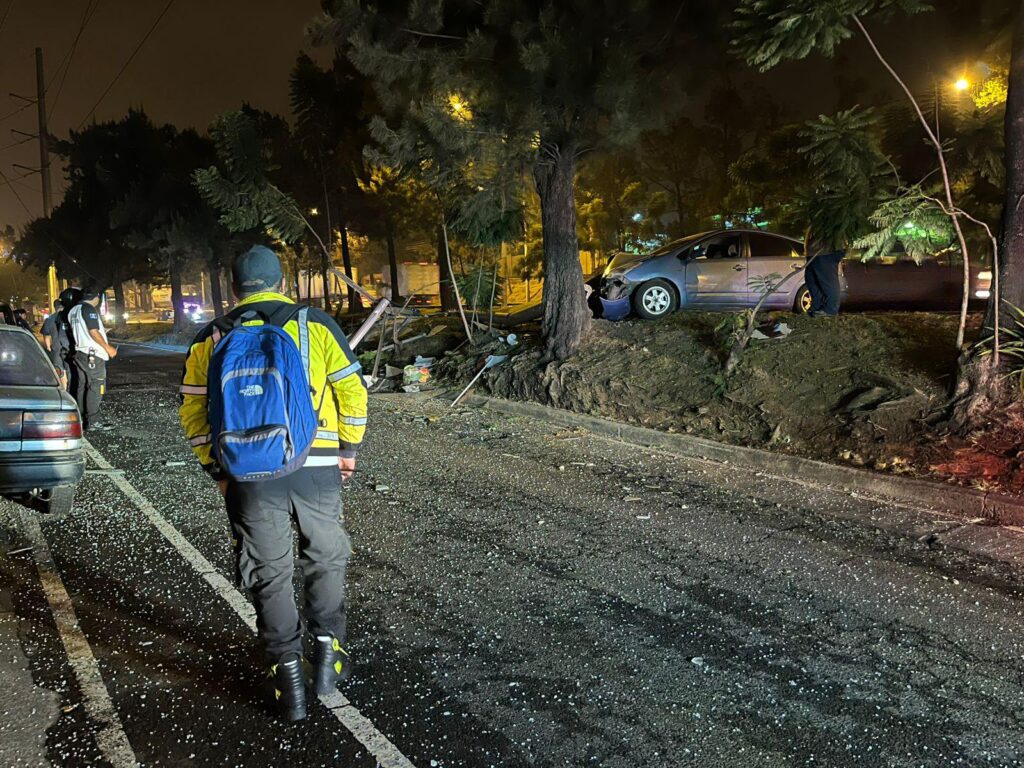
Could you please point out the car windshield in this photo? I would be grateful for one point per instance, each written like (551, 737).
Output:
(675, 245)
(23, 362)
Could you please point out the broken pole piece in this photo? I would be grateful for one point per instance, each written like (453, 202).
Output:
(492, 360)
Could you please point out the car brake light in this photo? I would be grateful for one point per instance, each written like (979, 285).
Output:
(51, 425)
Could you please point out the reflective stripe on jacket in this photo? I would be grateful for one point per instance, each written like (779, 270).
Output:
(334, 375)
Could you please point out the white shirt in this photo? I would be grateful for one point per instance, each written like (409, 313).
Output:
(84, 342)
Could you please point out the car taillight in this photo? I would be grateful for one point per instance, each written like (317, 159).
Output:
(51, 425)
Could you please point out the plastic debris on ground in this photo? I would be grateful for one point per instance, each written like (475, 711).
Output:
(779, 330)
(413, 374)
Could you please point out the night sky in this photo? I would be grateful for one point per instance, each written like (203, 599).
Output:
(207, 56)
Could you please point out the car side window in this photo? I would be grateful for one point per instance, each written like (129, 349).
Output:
(718, 247)
(764, 246)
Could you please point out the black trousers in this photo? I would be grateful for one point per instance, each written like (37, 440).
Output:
(261, 516)
(822, 278)
(88, 385)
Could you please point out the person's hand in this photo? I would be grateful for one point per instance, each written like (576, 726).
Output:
(347, 467)
(222, 486)
(112, 352)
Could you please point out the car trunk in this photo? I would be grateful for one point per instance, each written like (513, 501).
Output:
(22, 430)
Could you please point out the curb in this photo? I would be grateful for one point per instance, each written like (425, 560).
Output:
(153, 345)
(995, 507)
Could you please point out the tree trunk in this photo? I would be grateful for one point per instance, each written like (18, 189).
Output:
(354, 304)
(444, 281)
(295, 274)
(177, 298)
(1011, 251)
(325, 274)
(392, 259)
(566, 314)
(980, 388)
(215, 291)
(120, 307)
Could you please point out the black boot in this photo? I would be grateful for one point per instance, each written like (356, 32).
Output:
(289, 687)
(331, 665)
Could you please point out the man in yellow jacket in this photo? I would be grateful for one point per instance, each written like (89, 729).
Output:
(261, 512)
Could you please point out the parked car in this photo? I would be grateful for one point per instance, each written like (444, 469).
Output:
(41, 457)
(194, 312)
(898, 282)
(720, 269)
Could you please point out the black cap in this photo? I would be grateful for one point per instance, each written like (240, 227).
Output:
(70, 296)
(258, 269)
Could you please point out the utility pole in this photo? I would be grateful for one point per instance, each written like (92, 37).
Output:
(52, 284)
(44, 136)
(53, 288)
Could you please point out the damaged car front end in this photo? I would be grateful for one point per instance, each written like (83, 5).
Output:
(617, 288)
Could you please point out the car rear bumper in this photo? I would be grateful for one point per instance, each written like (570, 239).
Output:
(24, 472)
(615, 309)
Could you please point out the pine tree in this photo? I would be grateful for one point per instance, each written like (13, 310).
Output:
(547, 80)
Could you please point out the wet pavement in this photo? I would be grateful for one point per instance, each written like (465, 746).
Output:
(521, 595)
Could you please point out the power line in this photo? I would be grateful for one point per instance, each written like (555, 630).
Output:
(131, 58)
(7, 13)
(10, 185)
(13, 144)
(90, 11)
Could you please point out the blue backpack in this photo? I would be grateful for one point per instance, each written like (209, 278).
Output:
(261, 414)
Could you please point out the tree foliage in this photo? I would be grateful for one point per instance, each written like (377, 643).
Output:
(769, 32)
(240, 188)
(912, 220)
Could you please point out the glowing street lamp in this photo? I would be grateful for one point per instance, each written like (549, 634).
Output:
(962, 84)
(314, 211)
(459, 107)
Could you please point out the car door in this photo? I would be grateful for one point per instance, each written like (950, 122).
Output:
(716, 272)
(772, 258)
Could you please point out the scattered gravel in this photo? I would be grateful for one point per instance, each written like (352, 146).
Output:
(524, 595)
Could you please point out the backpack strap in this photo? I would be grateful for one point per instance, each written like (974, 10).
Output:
(303, 319)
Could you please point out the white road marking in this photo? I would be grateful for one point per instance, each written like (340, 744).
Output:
(386, 753)
(111, 738)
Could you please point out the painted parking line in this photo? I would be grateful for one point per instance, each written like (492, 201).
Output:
(111, 739)
(386, 753)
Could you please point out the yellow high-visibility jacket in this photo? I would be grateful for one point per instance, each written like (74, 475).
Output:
(342, 410)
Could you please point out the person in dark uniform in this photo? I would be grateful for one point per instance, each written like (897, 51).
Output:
(92, 351)
(49, 329)
(21, 320)
(62, 348)
(822, 278)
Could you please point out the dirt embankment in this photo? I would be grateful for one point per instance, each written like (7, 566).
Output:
(863, 389)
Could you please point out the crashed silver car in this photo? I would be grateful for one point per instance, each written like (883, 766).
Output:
(721, 269)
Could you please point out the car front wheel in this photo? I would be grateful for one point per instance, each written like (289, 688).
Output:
(654, 299)
(802, 304)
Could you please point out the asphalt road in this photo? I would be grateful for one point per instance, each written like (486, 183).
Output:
(521, 595)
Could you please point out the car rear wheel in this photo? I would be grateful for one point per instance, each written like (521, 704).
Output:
(59, 500)
(654, 299)
(802, 304)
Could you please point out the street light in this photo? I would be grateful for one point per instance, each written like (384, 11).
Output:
(314, 211)
(460, 109)
(962, 84)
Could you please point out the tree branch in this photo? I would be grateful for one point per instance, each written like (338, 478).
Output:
(947, 187)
